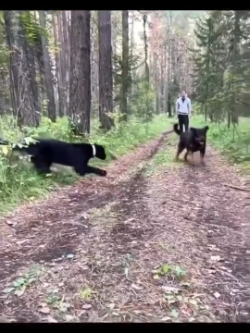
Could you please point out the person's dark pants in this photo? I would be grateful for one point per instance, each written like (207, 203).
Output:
(183, 122)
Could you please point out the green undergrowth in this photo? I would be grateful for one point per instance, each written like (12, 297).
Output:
(234, 143)
(19, 181)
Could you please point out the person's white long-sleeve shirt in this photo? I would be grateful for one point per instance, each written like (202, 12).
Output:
(183, 106)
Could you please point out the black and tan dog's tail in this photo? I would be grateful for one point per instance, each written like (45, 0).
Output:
(176, 129)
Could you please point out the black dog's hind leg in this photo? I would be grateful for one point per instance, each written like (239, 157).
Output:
(202, 153)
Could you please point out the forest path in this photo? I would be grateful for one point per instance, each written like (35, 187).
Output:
(153, 241)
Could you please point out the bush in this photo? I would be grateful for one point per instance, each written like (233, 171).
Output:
(19, 181)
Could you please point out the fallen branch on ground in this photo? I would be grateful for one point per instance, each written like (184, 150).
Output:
(237, 188)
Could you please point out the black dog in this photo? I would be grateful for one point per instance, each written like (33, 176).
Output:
(44, 152)
(193, 140)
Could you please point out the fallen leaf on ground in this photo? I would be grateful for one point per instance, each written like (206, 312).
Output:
(216, 258)
(45, 310)
(170, 289)
(216, 295)
(174, 313)
(166, 319)
(134, 286)
(51, 320)
(69, 318)
(9, 222)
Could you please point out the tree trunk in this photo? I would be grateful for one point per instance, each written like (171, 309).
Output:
(105, 69)
(62, 66)
(48, 71)
(125, 67)
(80, 72)
(145, 47)
(133, 72)
(23, 85)
(58, 72)
(66, 51)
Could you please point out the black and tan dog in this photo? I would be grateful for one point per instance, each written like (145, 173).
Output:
(193, 140)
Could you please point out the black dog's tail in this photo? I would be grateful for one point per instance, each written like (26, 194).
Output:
(176, 129)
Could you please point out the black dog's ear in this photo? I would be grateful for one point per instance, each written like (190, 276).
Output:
(193, 130)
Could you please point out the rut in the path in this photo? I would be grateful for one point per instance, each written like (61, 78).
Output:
(223, 219)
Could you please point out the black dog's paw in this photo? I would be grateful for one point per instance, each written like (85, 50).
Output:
(103, 173)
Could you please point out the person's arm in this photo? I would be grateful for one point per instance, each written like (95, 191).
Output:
(177, 106)
(189, 107)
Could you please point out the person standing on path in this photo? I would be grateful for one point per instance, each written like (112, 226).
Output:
(183, 111)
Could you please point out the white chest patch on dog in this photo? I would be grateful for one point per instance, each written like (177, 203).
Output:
(93, 150)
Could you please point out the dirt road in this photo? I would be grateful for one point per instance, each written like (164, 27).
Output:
(151, 242)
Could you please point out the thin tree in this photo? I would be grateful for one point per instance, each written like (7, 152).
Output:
(105, 69)
(80, 73)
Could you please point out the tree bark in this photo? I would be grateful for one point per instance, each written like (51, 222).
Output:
(23, 85)
(125, 67)
(105, 69)
(80, 72)
(48, 71)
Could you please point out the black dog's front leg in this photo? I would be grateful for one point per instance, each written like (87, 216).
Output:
(88, 169)
(202, 153)
(97, 171)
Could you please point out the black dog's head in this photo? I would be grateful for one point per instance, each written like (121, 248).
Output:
(100, 152)
(200, 135)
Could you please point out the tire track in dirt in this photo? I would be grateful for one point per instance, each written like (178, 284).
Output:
(222, 219)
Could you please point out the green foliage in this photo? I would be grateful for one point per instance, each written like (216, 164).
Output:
(19, 181)
(234, 142)
(143, 101)
(220, 70)
(133, 64)
(33, 30)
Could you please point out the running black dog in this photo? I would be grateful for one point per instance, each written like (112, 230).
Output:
(193, 140)
(45, 152)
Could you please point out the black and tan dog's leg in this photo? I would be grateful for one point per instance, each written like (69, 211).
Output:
(202, 153)
(186, 155)
(179, 151)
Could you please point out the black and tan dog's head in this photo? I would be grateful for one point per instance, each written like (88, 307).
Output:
(200, 134)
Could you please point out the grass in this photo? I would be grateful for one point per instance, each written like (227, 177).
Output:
(19, 181)
(234, 143)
